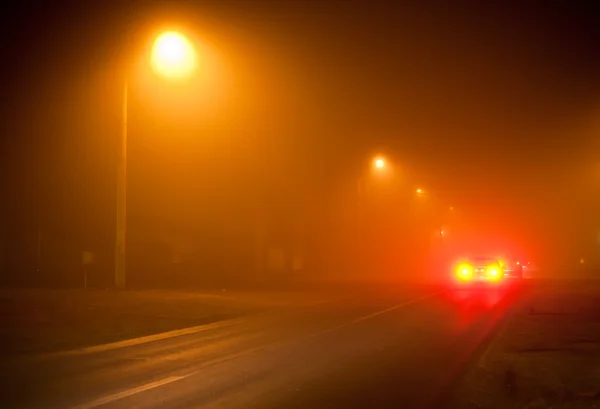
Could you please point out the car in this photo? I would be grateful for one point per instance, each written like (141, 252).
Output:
(479, 270)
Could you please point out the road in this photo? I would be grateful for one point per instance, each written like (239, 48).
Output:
(371, 347)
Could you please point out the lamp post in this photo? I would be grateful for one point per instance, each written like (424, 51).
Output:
(378, 165)
(120, 266)
(173, 56)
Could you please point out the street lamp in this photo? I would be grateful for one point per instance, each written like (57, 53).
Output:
(379, 168)
(379, 163)
(173, 56)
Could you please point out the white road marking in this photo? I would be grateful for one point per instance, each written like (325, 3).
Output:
(169, 334)
(330, 300)
(133, 391)
(366, 317)
(148, 338)
(129, 392)
(395, 307)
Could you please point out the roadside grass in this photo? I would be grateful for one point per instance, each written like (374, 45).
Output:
(38, 321)
(547, 355)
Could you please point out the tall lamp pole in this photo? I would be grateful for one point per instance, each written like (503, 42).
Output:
(121, 227)
(173, 56)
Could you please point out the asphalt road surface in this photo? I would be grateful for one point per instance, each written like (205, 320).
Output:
(376, 347)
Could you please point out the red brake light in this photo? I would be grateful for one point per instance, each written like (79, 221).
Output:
(494, 272)
(464, 271)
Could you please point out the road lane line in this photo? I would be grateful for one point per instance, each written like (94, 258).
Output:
(111, 398)
(395, 307)
(168, 380)
(148, 338)
(166, 335)
(169, 334)
(165, 381)
(372, 315)
(330, 300)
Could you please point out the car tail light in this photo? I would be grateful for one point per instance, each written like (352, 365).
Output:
(494, 272)
(464, 271)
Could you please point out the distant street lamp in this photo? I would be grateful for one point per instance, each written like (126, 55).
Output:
(379, 168)
(431, 195)
(173, 56)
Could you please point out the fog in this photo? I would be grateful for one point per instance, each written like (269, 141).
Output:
(252, 170)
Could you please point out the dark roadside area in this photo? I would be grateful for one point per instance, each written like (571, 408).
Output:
(545, 354)
(49, 320)
(45, 320)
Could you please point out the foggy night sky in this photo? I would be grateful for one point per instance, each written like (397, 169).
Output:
(495, 102)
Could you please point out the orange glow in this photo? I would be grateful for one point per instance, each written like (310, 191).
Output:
(518, 263)
(419, 191)
(173, 55)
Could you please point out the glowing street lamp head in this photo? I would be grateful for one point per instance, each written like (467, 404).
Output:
(379, 163)
(419, 191)
(173, 55)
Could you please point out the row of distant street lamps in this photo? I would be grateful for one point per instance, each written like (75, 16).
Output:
(380, 164)
(380, 169)
(173, 56)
